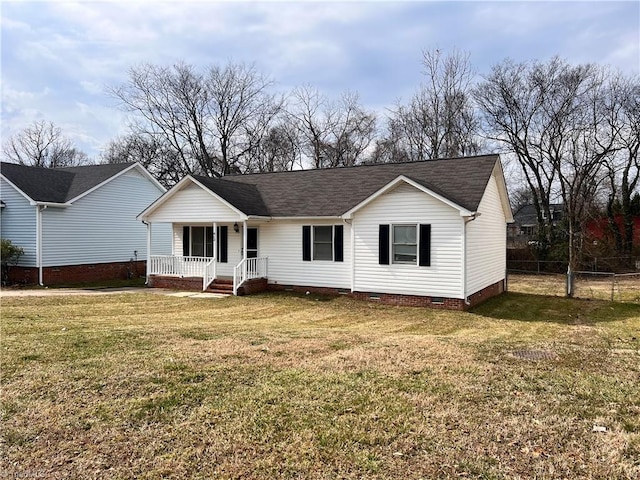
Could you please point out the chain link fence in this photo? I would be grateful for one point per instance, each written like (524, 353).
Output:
(617, 287)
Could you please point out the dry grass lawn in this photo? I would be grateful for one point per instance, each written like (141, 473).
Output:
(281, 386)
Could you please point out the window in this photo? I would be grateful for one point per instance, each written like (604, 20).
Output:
(198, 242)
(405, 244)
(322, 242)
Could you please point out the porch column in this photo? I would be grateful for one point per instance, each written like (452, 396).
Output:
(148, 252)
(244, 240)
(215, 241)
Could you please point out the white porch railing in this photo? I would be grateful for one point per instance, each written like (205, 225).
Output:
(209, 273)
(249, 268)
(180, 266)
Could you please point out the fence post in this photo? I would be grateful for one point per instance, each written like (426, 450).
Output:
(569, 282)
(613, 282)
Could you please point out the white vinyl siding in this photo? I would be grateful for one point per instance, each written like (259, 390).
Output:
(101, 227)
(192, 204)
(486, 242)
(409, 206)
(18, 223)
(281, 241)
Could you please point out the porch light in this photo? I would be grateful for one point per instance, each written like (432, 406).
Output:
(236, 228)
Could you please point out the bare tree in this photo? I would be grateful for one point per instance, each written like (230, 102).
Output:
(352, 131)
(621, 104)
(158, 158)
(42, 144)
(332, 134)
(279, 150)
(549, 115)
(211, 121)
(242, 111)
(314, 116)
(440, 119)
(391, 146)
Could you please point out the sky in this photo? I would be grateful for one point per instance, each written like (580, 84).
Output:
(59, 58)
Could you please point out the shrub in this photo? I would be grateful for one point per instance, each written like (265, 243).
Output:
(10, 255)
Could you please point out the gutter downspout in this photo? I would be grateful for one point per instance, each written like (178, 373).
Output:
(39, 210)
(471, 218)
(148, 266)
(353, 252)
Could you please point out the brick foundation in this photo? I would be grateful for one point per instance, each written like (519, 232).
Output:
(195, 284)
(486, 293)
(176, 283)
(402, 300)
(253, 286)
(70, 274)
(260, 284)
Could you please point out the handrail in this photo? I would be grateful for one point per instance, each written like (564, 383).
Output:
(209, 274)
(247, 269)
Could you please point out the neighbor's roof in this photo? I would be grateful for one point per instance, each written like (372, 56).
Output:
(334, 191)
(58, 185)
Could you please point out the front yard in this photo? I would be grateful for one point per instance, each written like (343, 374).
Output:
(280, 386)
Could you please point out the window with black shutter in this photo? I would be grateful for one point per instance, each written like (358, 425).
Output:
(408, 244)
(323, 243)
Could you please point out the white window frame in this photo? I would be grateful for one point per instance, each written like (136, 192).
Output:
(393, 243)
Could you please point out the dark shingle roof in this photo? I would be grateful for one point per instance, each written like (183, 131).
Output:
(58, 185)
(245, 197)
(334, 191)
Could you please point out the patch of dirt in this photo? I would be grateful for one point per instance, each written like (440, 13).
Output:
(534, 355)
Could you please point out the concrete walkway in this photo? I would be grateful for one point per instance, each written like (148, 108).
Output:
(51, 292)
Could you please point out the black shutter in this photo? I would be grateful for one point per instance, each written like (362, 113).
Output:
(223, 244)
(306, 243)
(208, 244)
(338, 242)
(383, 245)
(186, 241)
(424, 253)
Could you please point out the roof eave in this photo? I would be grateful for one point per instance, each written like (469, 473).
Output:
(136, 165)
(502, 191)
(52, 204)
(19, 190)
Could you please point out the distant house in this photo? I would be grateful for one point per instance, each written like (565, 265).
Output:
(78, 224)
(524, 229)
(599, 229)
(424, 233)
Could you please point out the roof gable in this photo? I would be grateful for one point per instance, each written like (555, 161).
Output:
(59, 185)
(404, 180)
(204, 183)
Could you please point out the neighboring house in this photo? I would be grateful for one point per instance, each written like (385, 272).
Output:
(78, 224)
(524, 229)
(422, 233)
(600, 229)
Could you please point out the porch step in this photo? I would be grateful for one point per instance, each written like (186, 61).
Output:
(221, 286)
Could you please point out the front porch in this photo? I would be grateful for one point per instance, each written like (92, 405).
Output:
(201, 273)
